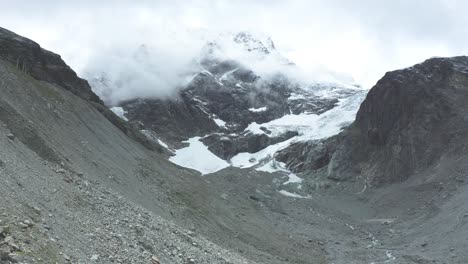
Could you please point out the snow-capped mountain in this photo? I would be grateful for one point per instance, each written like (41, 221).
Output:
(235, 112)
(373, 193)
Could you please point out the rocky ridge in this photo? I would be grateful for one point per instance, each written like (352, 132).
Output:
(411, 120)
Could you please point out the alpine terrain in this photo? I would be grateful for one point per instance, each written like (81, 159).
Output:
(247, 162)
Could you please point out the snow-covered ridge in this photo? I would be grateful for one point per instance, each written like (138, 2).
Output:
(309, 126)
(240, 79)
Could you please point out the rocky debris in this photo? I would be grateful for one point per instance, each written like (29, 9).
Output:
(155, 260)
(27, 132)
(8, 246)
(111, 230)
(11, 137)
(25, 224)
(129, 233)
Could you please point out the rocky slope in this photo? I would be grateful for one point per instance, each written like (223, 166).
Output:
(42, 64)
(75, 189)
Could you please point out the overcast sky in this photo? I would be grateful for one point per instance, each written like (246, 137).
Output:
(362, 38)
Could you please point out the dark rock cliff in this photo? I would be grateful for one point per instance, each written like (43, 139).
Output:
(409, 120)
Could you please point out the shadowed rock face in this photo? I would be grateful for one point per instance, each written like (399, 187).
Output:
(408, 121)
(42, 64)
(227, 146)
(309, 156)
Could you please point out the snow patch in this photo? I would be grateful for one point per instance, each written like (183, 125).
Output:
(247, 160)
(295, 96)
(225, 76)
(309, 126)
(197, 156)
(206, 72)
(294, 195)
(120, 112)
(271, 166)
(293, 178)
(312, 126)
(257, 110)
(152, 136)
(276, 166)
(162, 143)
(219, 122)
(254, 128)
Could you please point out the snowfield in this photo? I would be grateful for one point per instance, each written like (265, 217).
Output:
(310, 127)
(120, 112)
(256, 110)
(219, 122)
(197, 156)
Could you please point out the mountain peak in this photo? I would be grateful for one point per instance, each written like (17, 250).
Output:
(251, 43)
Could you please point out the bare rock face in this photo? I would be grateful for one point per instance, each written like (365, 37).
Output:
(309, 156)
(227, 146)
(410, 119)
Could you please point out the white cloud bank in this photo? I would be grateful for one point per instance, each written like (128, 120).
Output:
(363, 39)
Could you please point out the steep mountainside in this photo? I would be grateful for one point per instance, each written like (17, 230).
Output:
(30, 58)
(409, 121)
(413, 119)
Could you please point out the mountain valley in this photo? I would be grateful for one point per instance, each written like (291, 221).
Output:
(239, 167)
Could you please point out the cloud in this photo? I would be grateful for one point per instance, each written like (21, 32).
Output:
(363, 39)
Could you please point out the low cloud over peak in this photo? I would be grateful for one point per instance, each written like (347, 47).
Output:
(361, 39)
